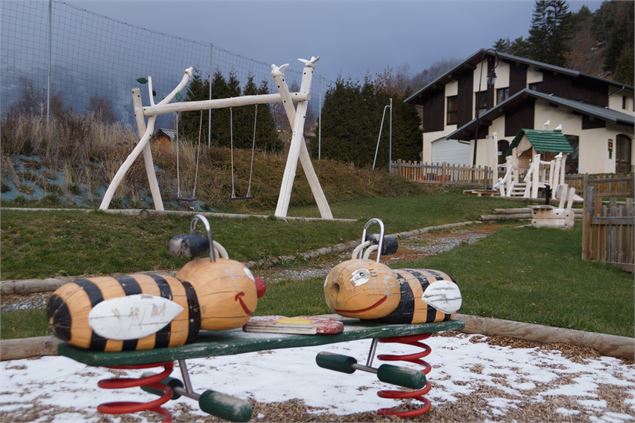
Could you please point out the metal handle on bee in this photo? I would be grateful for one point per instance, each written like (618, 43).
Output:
(208, 229)
(381, 234)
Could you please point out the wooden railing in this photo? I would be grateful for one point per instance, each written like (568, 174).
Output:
(443, 173)
(609, 221)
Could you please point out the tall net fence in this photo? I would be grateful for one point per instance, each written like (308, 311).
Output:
(95, 60)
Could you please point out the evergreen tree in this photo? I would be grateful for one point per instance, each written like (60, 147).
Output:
(189, 121)
(550, 32)
(266, 134)
(352, 115)
(613, 28)
(220, 117)
(518, 47)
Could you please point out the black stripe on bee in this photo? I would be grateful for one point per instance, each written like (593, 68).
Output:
(59, 317)
(164, 286)
(405, 310)
(431, 312)
(436, 274)
(420, 277)
(194, 312)
(130, 287)
(129, 284)
(97, 342)
(162, 337)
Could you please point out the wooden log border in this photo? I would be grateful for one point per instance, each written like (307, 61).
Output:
(609, 345)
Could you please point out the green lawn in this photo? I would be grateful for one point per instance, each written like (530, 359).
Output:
(405, 213)
(47, 244)
(537, 276)
(524, 274)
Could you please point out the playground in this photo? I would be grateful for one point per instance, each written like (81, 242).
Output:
(122, 323)
(474, 376)
(212, 257)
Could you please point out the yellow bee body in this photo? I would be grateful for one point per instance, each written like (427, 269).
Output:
(369, 290)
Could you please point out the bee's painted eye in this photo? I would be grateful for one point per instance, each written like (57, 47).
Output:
(360, 277)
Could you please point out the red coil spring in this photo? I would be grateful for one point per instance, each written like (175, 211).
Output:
(415, 341)
(125, 407)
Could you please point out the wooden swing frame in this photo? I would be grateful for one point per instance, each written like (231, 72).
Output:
(295, 114)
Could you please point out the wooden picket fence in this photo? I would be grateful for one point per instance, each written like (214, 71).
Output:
(602, 183)
(609, 221)
(443, 173)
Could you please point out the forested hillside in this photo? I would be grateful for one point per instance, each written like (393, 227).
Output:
(597, 42)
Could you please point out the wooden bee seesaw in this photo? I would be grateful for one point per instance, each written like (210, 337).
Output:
(148, 320)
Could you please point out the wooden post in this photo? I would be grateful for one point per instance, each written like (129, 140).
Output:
(147, 152)
(586, 218)
(536, 178)
(143, 142)
(297, 125)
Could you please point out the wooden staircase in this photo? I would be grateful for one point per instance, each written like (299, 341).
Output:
(518, 189)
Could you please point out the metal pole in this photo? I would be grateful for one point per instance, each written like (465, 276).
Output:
(320, 120)
(381, 127)
(390, 136)
(209, 112)
(48, 89)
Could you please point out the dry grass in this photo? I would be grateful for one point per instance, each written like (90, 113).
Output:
(89, 152)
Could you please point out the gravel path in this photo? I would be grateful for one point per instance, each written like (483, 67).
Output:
(414, 248)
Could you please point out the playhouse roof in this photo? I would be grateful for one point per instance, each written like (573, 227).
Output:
(544, 141)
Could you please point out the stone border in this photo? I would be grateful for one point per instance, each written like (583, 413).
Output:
(31, 286)
(608, 345)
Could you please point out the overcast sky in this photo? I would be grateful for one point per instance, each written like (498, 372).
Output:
(352, 38)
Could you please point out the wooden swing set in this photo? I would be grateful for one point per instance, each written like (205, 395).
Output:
(296, 115)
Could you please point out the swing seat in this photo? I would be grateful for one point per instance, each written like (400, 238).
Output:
(187, 199)
(244, 197)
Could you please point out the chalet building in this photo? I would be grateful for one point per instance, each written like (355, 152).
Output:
(473, 112)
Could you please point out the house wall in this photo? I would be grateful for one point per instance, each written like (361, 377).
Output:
(593, 143)
(517, 78)
(593, 147)
(533, 75)
(615, 101)
(451, 88)
(465, 100)
(480, 72)
(587, 90)
(502, 74)
(487, 150)
(484, 153)
(434, 111)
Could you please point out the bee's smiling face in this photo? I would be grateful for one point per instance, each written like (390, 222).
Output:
(362, 288)
(227, 291)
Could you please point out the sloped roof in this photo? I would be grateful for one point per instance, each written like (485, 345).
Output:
(471, 61)
(602, 113)
(543, 141)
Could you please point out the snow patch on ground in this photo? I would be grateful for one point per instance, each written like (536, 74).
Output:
(460, 367)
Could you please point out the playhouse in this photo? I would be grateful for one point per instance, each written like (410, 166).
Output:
(535, 159)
